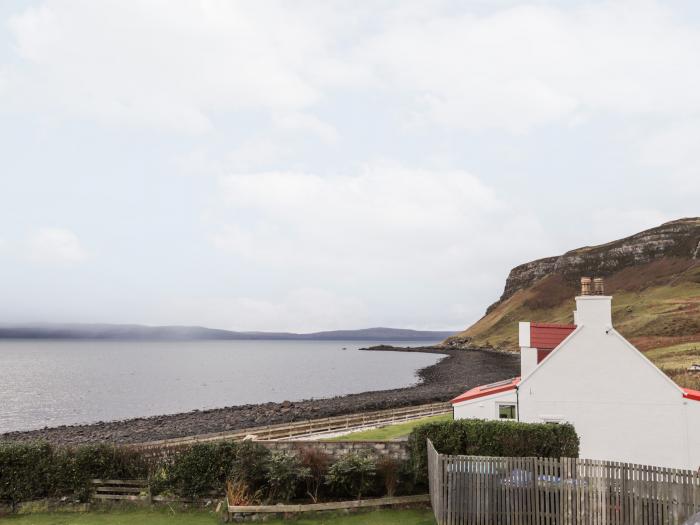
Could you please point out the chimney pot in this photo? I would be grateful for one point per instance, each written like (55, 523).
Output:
(585, 286)
(598, 286)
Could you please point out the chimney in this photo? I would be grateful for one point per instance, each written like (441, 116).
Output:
(593, 309)
(598, 286)
(585, 286)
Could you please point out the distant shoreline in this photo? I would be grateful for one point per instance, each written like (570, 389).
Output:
(460, 370)
(130, 332)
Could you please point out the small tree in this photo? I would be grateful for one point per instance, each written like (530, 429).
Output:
(353, 474)
(250, 465)
(388, 469)
(316, 461)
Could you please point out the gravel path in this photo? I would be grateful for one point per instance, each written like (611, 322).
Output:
(459, 371)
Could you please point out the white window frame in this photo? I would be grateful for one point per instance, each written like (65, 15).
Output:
(513, 404)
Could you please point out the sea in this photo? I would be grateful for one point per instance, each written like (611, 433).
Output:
(51, 383)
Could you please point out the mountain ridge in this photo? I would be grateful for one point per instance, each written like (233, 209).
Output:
(653, 276)
(135, 332)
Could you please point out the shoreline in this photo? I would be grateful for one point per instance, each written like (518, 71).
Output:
(452, 375)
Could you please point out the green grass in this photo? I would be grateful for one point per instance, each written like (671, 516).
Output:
(158, 517)
(681, 354)
(390, 432)
(121, 517)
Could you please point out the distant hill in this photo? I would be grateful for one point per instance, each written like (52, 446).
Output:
(132, 332)
(654, 277)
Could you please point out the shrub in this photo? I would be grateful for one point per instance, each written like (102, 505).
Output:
(88, 462)
(388, 470)
(316, 461)
(38, 470)
(351, 475)
(250, 465)
(476, 437)
(238, 493)
(24, 471)
(200, 470)
(283, 474)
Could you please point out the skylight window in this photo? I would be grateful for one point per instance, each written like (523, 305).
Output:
(496, 384)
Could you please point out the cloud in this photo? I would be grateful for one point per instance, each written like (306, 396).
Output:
(530, 65)
(674, 148)
(385, 229)
(385, 206)
(608, 224)
(172, 65)
(510, 68)
(55, 246)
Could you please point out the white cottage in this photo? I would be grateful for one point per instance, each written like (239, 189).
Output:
(587, 374)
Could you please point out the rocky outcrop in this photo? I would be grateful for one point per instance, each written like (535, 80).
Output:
(654, 276)
(679, 238)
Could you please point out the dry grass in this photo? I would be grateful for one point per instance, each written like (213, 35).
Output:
(239, 493)
(675, 360)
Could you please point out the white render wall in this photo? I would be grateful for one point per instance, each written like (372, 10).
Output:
(483, 407)
(622, 407)
(692, 410)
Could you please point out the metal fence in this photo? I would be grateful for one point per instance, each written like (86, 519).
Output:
(499, 490)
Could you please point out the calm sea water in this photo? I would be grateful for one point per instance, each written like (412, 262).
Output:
(49, 383)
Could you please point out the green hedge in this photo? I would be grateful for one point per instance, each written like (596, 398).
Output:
(35, 470)
(476, 437)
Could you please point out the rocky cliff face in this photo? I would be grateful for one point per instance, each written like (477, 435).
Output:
(679, 238)
(654, 277)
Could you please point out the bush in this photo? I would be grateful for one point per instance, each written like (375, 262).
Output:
(82, 464)
(24, 471)
(38, 470)
(250, 465)
(316, 461)
(476, 437)
(352, 475)
(284, 474)
(389, 471)
(198, 471)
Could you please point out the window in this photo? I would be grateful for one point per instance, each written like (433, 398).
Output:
(506, 411)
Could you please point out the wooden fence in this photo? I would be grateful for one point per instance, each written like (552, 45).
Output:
(517, 491)
(307, 427)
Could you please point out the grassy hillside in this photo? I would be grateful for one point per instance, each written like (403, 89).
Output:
(656, 306)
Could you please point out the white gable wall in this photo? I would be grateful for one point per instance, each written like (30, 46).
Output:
(622, 406)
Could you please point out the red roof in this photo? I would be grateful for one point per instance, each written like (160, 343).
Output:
(691, 394)
(547, 336)
(487, 390)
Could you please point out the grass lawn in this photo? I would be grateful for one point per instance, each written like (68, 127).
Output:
(160, 517)
(390, 432)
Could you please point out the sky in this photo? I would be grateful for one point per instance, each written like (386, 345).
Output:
(261, 165)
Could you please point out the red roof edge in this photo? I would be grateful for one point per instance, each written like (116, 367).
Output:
(689, 393)
(487, 390)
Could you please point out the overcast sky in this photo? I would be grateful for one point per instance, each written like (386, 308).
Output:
(316, 165)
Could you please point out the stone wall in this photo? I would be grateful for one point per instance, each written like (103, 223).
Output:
(336, 449)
